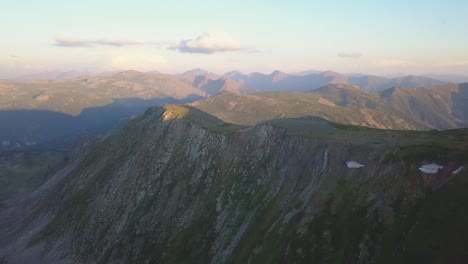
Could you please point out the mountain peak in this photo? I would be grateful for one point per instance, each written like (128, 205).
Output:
(278, 72)
(330, 73)
(278, 75)
(184, 112)
(195, 72)
(128, 73)
(233, 74)
(172, 112)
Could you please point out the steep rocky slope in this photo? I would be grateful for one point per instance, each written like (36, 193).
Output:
(181, 186)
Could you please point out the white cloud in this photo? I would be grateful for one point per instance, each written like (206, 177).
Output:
(206, 43)
(209, 43)
(62, 41)
(350, 55)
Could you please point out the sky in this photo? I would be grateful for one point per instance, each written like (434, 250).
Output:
(373, 37)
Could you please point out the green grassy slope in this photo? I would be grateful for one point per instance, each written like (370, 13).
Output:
(254, 108)
(397, 108)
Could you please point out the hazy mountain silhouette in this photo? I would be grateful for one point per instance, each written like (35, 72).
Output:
(280, 81)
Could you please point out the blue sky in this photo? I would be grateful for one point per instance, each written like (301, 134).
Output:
(378, 37)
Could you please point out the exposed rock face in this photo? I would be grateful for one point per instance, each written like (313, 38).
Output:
(178, 186)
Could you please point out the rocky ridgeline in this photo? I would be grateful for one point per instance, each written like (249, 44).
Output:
(178, 185)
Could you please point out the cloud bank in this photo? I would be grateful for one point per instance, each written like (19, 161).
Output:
(206, 43)
(350, 55)
(82, 43)
(210, 42)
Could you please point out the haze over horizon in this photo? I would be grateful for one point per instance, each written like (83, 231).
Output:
(383, 39)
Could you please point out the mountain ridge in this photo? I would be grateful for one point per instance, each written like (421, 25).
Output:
(169, 190)
(122, 95)
(414, 108)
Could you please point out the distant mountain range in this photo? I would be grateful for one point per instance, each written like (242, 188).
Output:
(68, 75)
(448, 78)
(441, 107)
(280, 81)
(55, 110)
(53, 76)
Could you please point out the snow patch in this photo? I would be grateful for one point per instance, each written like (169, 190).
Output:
(354, 165)
(458, 170)
(430, 168)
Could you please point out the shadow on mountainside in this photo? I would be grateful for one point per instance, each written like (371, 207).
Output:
(45, 129)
